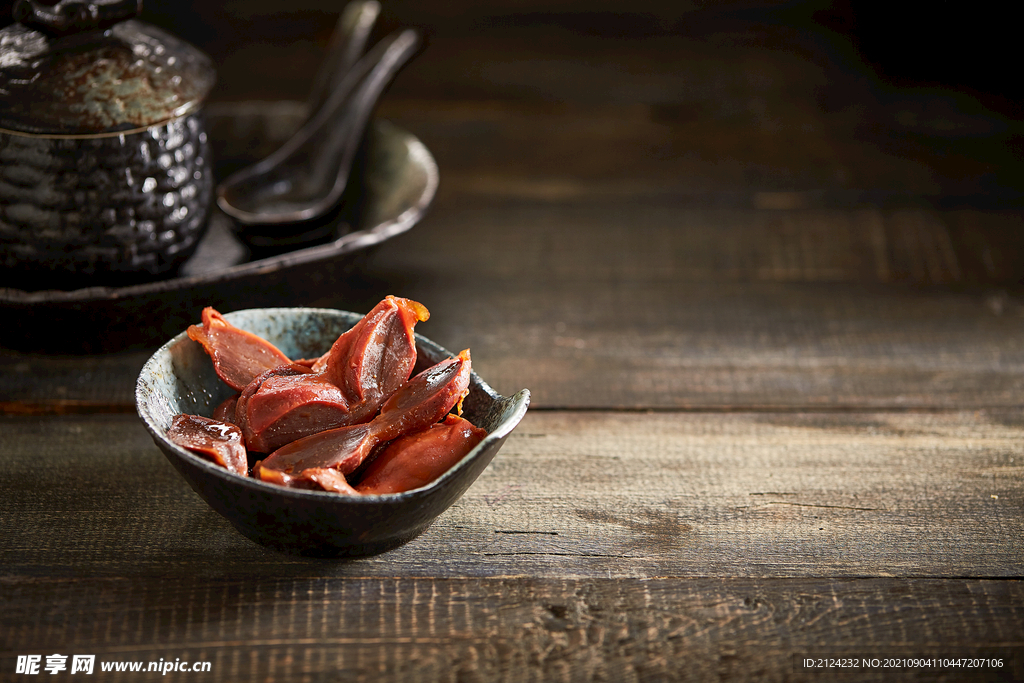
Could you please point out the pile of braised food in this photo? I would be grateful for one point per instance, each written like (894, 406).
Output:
(351, 421)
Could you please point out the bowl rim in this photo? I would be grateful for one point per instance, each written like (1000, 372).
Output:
(520, 401)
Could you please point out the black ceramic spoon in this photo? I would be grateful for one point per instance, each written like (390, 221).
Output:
(347, 44)
(304, 179)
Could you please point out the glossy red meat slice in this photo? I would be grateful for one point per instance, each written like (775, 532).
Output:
(422, 401)
(416, 459)
(253, 441)
(215, 440)
(225, 412)
(315, 479)
(238, 356)
(347, 386)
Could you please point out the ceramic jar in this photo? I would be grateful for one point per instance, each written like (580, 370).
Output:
(105, 174)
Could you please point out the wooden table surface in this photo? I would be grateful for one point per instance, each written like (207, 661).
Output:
(769, 310)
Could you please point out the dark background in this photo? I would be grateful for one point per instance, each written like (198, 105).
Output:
(925, 84)
(957, 45)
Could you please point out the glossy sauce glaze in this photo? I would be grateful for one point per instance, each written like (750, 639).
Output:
(322, 420)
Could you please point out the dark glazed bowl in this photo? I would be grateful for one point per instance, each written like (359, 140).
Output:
(179, 378)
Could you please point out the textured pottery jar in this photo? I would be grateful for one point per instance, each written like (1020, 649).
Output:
(105, 174)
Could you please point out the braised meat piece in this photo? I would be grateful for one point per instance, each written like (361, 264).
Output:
(346, 386)
(422, 401)
(214, 440)
(225, 412)
(238, 356)
(321, 419)
(416, 459)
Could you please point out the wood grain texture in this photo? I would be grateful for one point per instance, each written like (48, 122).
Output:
(573, 495)
(713, 104)
(656, 306)
(770, 311)
(525, 629)
(724, 96)
(660, 306)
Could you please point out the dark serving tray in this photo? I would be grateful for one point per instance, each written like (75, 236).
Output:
(394, 185)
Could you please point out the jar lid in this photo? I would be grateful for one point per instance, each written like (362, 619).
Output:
(86, 69)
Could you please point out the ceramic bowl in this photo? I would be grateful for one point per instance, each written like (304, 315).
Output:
(179, 378)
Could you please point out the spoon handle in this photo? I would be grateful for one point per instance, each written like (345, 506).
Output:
(305, 178)
(375, 71)
(347, 44)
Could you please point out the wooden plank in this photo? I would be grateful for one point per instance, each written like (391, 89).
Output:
(616, 304)
(623, 306)
(573, 495)
(618, 242)
(522, 629)
(576, 343)
(702, 104)
(556, 151)
(39, 383)
(596, 150)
